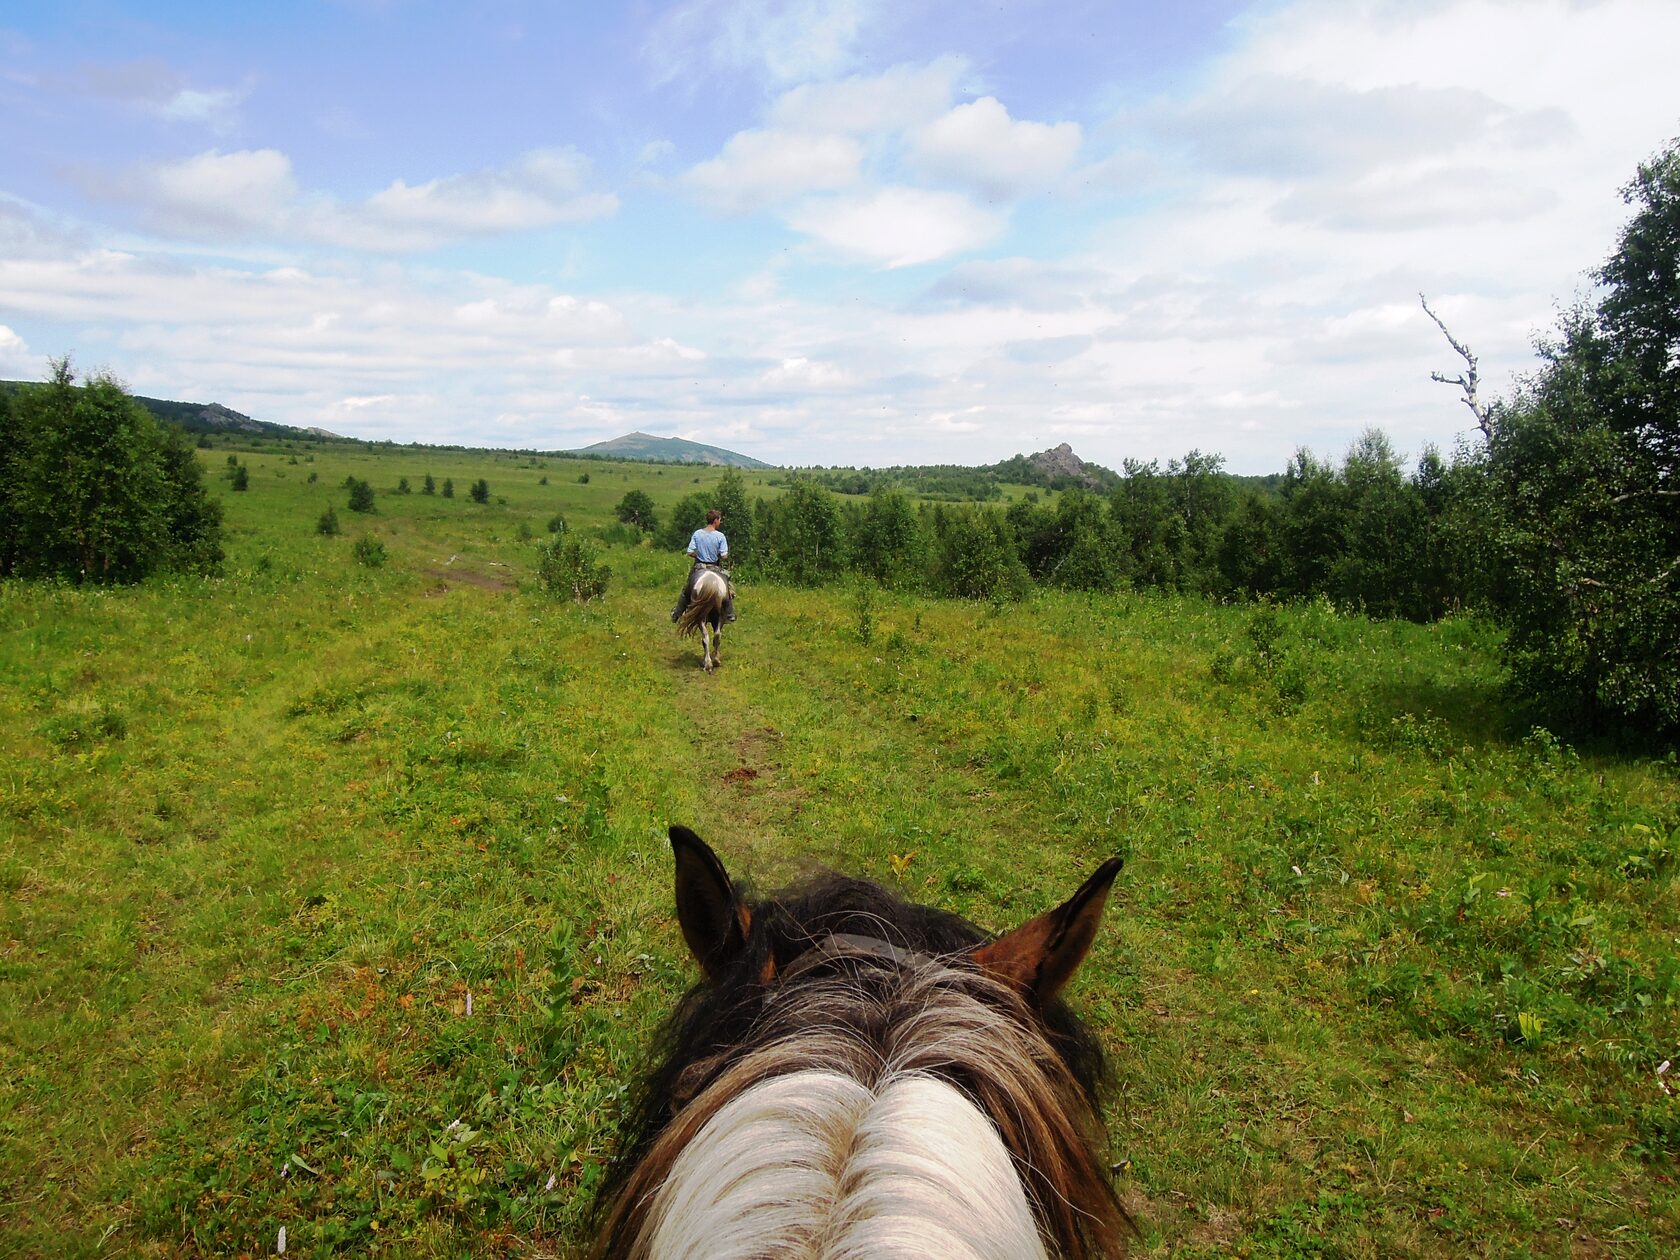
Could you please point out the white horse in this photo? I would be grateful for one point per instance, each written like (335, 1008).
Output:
(705, 614)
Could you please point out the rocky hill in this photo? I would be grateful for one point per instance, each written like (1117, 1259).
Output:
(668, 450)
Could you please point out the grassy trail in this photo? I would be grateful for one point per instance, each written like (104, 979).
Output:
(338, 899)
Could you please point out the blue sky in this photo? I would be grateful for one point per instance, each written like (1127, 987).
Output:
(819, 231)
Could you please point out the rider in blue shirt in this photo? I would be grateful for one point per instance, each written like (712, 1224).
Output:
(709, 547)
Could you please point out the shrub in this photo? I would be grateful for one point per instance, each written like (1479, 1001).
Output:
(93, 489)
(370, 551)
(557, 524)
(636, 509)
(361, 496)
(428, 486)
(977, 561)
(328, 524)
(687, 516)
(242, 478)
(480, 492)
(449, 487)
(802, 540)
(583, 480)
(568, 568)
(402, 485)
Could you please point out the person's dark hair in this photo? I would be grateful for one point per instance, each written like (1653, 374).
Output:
(713, 516)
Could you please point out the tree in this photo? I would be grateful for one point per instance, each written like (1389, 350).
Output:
(449, 487)
(1384, 531)
(242, 478)
(890, 546)
(976, 559)
(803, 539)
(1583, 477)
(361, 495)
(93, 489)
(636, 509)
(688, 516)
(480, 492)
(730, 498)
(428, 486)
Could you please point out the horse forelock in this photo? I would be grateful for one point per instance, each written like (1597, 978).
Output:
(1032, 1074)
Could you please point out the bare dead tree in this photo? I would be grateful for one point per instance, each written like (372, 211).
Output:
(1466, 381)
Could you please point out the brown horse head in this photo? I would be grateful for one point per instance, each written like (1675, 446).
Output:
(859, 1074)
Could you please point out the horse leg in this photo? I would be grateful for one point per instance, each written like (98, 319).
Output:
(706, 644)
(717, 643)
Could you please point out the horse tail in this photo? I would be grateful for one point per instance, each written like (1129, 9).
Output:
(705, 604)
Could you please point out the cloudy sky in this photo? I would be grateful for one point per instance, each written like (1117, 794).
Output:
(819, 231)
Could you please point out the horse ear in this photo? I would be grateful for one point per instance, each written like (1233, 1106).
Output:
(1041, 955)
(714, 919)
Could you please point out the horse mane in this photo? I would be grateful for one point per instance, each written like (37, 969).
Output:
(901, 1034)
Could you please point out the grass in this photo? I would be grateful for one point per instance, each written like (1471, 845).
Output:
(336, 896)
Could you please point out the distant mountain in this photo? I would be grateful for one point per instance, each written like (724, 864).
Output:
(215, 418)
(669, 451)
(209, 417)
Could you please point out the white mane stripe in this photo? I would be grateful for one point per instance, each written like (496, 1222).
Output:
(813, 1165)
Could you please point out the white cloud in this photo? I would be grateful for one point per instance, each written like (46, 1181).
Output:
(254, 194)
(784, 41)
(16, 361)
(541, 188)
(898, 227)
(1273, 125)
(235, 193)
(760, 168)
(153, 86)
(1403, 201)
(979, 144)
(802, 374)
(900, 98)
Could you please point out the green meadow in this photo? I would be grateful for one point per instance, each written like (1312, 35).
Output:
(335, 896)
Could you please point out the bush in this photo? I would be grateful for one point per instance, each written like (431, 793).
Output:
(328, 524)
(480, 491)
(402, 485)
(636, 509)
(370, 551)
(242, 478)
(557, 524)
(361, 496)
(93, 488)
(977, 561)
(583, 480)
(449, 487)
(568, 568)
